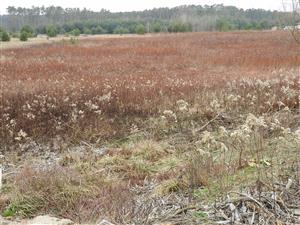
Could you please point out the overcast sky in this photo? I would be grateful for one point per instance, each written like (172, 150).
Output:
(131, 5)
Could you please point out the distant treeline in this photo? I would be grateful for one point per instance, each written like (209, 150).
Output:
(179, 19)
(90, 28)
(114, 27)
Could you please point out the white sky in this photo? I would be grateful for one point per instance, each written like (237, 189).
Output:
(131, 5)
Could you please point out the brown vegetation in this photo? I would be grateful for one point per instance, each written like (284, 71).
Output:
(167, 120)
(60, 88)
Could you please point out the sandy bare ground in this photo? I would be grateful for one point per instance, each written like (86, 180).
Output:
(43, 39)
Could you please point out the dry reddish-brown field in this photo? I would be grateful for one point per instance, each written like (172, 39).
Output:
(54, 84)
(136, 129)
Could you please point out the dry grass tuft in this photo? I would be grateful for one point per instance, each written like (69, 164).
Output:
(66, 193)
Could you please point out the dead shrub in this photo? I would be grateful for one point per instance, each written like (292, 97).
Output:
(199, 169)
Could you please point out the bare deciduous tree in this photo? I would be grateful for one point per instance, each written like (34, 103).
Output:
(294, 7)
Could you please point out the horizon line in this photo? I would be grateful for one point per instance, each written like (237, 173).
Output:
(147, 9)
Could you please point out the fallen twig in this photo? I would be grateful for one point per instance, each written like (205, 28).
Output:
(209, 122)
